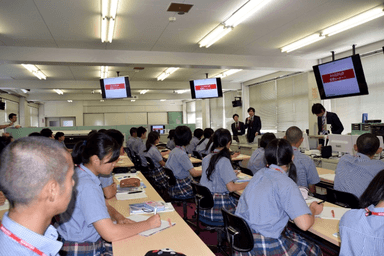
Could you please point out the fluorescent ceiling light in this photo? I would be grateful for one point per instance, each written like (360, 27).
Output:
(214, 36)
(35, 70)
(103, 72)
(144, 91)
(60, 92)
(133, 100)
(69, 100)
(228, 72)
(245, 11)
(303, 42)
(108, 18)
(163, 100)
(354, 21)
(166, 73)
(181, 91)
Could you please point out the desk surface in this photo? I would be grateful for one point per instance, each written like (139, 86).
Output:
(124, 161)
(322, 171)
(180, 237)
(193, 160)
(241, 157)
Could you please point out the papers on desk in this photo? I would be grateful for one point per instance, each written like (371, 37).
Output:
(243, 178)
(311, 199)
(144, 208)
(131, 195)
(332, 213)
(164, 225)
(5, 206)
(329, 176)
(122, 176)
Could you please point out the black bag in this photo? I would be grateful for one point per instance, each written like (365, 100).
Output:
(326, 151)
(164, 252)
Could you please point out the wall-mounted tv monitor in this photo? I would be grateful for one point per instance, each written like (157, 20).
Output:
(341, 78)
(158, 128)
(206, 88)
(115, 87)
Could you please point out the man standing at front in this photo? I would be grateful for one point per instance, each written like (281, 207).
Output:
(238, 128)
(253, 124)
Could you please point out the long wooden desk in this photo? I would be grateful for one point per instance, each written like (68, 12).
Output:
(193, 160)
(180, 237)
(124, 161)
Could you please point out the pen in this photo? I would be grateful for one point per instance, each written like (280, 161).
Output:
(155, 210)
(321, 202)
(134, 192)
(333, 213)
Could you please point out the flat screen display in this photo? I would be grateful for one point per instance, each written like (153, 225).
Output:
(115, 87)
(341, 78)
(158, 128)
(206, 88)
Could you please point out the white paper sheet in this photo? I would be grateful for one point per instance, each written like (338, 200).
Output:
(329, 176)
(327, 213)
(126, 196)
(164, 224)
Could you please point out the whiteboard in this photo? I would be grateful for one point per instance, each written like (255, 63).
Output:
(158, 118)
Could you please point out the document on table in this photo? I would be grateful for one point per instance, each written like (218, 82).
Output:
(164, 224)
(131, 195)
(329, 176)
(332, 213)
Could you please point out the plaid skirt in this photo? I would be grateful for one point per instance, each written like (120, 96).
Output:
(160, 177)
(289, 243)
(98, 248)
(219, 200)
(182, 189)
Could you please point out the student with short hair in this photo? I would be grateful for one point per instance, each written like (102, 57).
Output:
(307, 175)
(88, 222)
(36, 177)
(152, 152)
(354, 173)
(201, 147)
(257, 160)
(171, 142)
(60, 137)
(107, 183)
(219, 177)
(12, 118)
(181, 166)
(362, 230)
(132, 139)
(271, 199)
(139, 146)
(197, 134)
(46, 132)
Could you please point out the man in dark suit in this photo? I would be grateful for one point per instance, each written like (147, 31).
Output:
(253, 124)
(238, 128)
(324, 118)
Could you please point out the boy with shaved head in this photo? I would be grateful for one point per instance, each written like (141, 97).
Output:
(307, 175)
(36, 177)
(354, 173)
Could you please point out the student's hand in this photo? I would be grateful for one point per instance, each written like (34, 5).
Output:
(114, 188)
(154, 221)
(18, 126)
(316, 208)
(237, 172)
(319, 147)
(256, 133)
(2, 198)
(235, 155)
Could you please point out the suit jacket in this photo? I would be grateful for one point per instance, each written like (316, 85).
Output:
(252, 127)
(332, 119)
(234, 130)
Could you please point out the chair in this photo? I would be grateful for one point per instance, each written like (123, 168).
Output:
(204, 201)
(343, 199)
(197, 154)
(246, 171)
(239, 234)
(172, 182)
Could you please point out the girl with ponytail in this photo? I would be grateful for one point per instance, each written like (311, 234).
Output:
(271, 198)
(218, 176)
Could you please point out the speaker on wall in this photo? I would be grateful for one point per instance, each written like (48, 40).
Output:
(237, 102)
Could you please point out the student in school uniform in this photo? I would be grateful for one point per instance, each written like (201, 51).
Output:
(257, 160)
(354, 173)
(46, 132)
(307, 175)
(181, 166)
(88, 222)
(202, 145)
(107, 183)
(271, 199)
(197, 134)
(362, 230)
(171, 141)
(36, 177)
(152, 152)
(132, 139)
(218, 176)
(139, 146)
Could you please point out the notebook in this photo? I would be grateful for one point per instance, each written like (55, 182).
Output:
(164, 224)
(327, 213)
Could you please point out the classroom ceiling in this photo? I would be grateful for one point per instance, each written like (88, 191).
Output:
(62, 38)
